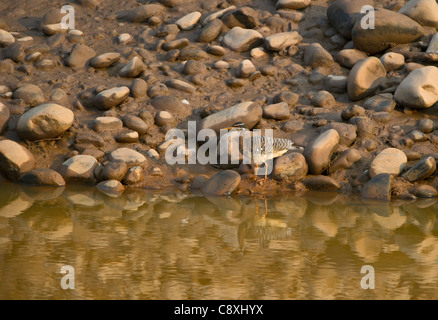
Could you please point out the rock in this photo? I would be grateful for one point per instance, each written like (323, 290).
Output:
(425, 191)
(419, 90)
(343, 14)
(240, 39)
(390, 160)
(192, 54)
(139, 88)
(246, 68)
(248, 112)
(282, 40)
(59, 96)
(425, 12)
(130, 157)
(349, 57)
(244, 17)
(158, 90)
(107, 123)
(422, 170)
(175, 44)
(170, 104)
(6, 38)
(318, 153)
(292, 126)
(365, 126)
(192, 67)
(109, 98)
(217, 14)
(378, 188)
(30, 94)
(134, 67)
(347, 132)
(316, 56)
(180, 85)
(14, 51)
(135, 123)
(134, 175)
(90, 138)
(114, 170)
(79, 168)
(336, 84)
(42, 177)
(211, 31)
(426, 125)
(45, 121)
(383, 102)
(223, 183)
(390, 27)
(323, 99)
(105, 60)
(142, 13)
(292, 4)
(381, 117)
(278, 111)
(290, 166)
(189, 21)
(127, 137)
(289, 97)
(365, 77)
(15, 159)
(4, 117)
(433, 44)
(79, 55)
(321, 183)
(111, 188)
(392, 61)
(345, 160)
(125, 38)
(164, 118)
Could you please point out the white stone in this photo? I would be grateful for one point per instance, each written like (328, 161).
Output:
(390, 160)
(188, 21)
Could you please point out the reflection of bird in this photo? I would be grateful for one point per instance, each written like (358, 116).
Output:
(263, 148)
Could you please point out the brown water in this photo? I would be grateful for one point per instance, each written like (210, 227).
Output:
(151, 246)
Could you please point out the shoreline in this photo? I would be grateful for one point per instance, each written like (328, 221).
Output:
(94, 104)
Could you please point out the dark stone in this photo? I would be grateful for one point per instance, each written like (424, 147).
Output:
(422, 170)
(42, 177)
(321, 183)
(223, 183)
(378, 188)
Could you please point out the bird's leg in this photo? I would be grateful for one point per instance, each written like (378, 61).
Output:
(256, 171)
(266, 171)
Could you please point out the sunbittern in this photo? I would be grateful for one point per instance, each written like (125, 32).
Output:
(263, 148)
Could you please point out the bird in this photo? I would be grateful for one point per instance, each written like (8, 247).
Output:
(262, 147)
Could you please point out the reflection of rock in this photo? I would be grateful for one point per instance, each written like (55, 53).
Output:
(391, 222)
(42, 193)
(16, 206)
(368, 246)
(82, 196)
(324, 220)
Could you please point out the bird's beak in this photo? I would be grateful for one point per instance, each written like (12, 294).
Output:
(228, 128)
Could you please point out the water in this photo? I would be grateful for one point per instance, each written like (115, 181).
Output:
(173, 246)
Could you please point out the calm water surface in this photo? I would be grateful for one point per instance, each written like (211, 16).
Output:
(173, 246)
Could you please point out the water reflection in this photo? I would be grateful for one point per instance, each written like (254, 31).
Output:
(146, 245)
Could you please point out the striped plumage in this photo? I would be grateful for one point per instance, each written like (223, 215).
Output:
(262, 148)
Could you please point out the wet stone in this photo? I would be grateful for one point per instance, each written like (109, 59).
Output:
(378, 188)
(322, 183)
(422, 170)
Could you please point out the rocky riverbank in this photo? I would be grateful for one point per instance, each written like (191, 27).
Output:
(93, 104)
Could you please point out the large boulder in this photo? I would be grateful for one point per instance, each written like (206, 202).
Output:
(343, 14)
(390, 28)
(425, 12)
(44, 122)
(419, 90)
